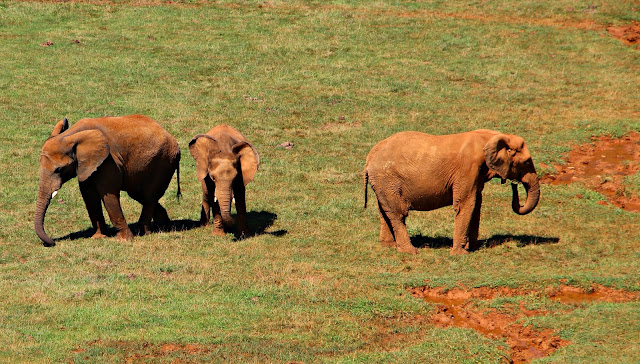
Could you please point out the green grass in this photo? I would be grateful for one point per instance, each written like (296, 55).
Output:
(334, 78)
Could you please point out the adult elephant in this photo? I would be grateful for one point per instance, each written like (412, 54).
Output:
(225, 162)
(108, 155)
(417, 171)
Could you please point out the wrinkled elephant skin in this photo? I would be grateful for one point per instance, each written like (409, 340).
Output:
(225, 163)
(108, 155)
(417, 171)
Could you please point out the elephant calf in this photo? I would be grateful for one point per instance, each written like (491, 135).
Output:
(108, 155)
(225, 162)
(417, 171)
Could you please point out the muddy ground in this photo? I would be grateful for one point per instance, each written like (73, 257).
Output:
(457, 307)
(629, 34)
(601, 166)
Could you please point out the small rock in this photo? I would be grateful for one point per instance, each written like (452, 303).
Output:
(46, 44)
(285, 145)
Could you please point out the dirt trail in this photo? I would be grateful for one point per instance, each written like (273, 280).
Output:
(601, 166)
(456, 308)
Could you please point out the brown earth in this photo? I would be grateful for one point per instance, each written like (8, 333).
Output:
(601, 166)
(455, 307)
(629, 34)
(149, 352)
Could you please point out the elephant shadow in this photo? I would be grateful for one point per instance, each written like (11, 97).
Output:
(258, 221)
(136, 229)
(438, 242)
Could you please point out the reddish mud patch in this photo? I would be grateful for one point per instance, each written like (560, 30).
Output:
(629, 34)
(456, 308)
(601, 166)
(136, 352)
(597, 293)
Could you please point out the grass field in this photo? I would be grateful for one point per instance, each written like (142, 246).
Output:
(333, 77)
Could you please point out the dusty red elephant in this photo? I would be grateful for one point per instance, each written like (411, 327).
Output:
(225, 162)
(108, 155)
(417, 171)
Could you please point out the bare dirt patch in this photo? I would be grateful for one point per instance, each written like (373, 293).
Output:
(456, 308)
(628, 34)
(601, 166)
(136, 352)
(596, 293)
(339, 127)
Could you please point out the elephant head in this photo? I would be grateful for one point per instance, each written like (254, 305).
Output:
(224, 165)
(508, 156)
(66, 155)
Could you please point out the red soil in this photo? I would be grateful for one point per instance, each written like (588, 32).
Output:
(456, 308)
(629, 34)
(601, 166)
(147, 352)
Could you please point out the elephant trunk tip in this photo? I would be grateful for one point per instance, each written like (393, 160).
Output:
(46, 240)
(532, 187)
(44, 198)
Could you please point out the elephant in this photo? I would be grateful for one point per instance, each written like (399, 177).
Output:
(225, 163)
(417, 171)
(109, 154)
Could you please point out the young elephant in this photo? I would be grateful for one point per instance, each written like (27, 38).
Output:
(417, 171)
(109, 154)
(226, 162)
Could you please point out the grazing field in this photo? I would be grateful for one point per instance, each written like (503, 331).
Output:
(314, 284)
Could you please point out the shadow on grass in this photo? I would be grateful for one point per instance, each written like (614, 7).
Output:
(136, 229)
(258, 221)
(421, 241)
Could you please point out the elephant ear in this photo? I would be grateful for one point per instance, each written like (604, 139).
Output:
(91, 149)
(60, 127)
(249, 160)
(201, 148)
(498, 155)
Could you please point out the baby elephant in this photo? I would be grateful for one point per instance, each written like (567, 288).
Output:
(225, 163)
(417, 171)
(108, 155)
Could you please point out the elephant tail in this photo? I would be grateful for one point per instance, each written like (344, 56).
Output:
(366, 182)
(179, 193)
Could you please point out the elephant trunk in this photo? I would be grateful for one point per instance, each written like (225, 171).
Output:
(224, 196)
(532, 186)
(44, 198)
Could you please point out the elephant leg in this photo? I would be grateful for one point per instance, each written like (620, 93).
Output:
(148, 210)
(241, 209)
(403, 242)
(207, 187)
(464, 209)
(386, 232)
(160, 216)
(112, 204)
(474, 225)
(94, 208)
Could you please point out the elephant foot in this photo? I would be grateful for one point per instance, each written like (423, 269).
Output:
(458, 251)
(218, 232)
(98, 235)
(388, 243)
(124, 235)
(408, 249)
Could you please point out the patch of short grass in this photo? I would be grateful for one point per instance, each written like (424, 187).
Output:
(333, 78)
